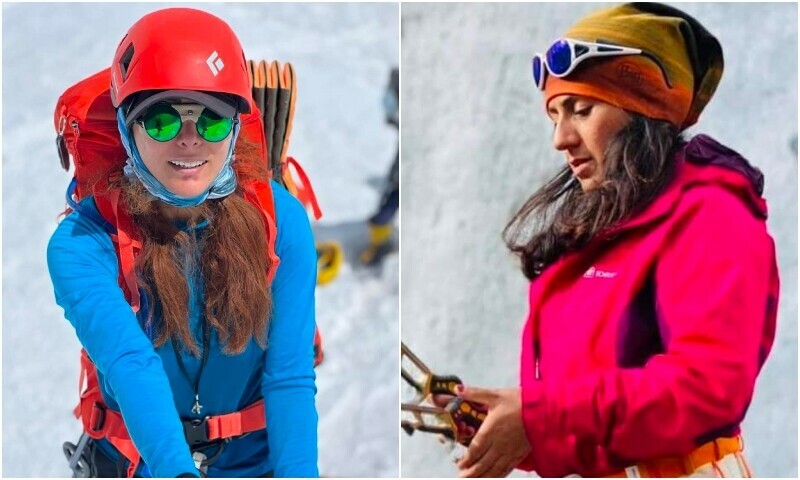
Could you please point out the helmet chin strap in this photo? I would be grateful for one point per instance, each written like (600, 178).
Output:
(223, 185)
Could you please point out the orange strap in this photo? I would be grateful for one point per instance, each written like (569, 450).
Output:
(251, 419)
(101, 422)
(682, 466)
(108, 206)
(303, 190)
(319, 354)
(261, 196)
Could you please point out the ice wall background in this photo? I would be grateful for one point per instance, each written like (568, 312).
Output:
(342, 54)
(476, 143)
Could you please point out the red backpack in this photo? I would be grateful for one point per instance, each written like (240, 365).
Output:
(86, 122)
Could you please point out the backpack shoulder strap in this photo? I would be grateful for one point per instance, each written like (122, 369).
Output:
(126, 242)
(259, 193)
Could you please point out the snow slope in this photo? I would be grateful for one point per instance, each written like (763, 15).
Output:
(342, 54)
(475, 145)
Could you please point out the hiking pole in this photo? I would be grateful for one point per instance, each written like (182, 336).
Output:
(78, 462)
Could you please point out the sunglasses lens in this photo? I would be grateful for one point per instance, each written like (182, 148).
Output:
(559, 57)
(162, 122)
(537, 71)
(63, 151)
(212, 127)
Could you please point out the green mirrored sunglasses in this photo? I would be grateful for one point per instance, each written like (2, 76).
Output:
(163, 121)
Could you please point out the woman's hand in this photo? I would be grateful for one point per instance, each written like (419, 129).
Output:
(500, 443)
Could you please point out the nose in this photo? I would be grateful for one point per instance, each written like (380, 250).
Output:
(565, 136)
(188, 136)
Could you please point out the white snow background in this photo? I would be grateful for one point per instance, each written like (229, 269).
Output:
(342, 54)
(476, 143)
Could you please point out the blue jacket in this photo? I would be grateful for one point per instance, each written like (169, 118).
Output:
(146, 383)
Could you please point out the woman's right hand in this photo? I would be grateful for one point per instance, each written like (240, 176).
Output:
(501, 443)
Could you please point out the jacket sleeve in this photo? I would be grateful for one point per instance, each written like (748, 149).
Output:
(83, 268)
(288, 382)
(716, 301)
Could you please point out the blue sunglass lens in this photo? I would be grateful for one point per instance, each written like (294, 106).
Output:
(559, 57)
(537, 70)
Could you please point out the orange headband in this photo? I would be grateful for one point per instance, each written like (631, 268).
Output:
(631, 82)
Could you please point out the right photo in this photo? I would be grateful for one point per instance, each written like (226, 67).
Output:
(599, 242)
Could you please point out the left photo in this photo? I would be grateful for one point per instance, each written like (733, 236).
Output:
(200, 268)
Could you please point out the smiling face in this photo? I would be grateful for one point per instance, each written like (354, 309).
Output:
(185, 165)
(583, 129)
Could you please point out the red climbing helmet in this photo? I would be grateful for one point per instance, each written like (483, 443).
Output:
(181, 49)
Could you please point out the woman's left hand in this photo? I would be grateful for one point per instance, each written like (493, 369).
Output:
(500, 444)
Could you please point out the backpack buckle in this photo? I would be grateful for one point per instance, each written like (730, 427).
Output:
(97, 419)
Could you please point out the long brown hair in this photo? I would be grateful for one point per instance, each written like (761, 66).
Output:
(230, 255)
(560, 217)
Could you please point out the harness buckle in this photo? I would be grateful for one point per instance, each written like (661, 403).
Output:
(196, 431)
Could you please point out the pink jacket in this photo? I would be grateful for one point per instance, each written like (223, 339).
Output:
(648, 345)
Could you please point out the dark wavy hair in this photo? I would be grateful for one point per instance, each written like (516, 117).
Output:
(560, 217)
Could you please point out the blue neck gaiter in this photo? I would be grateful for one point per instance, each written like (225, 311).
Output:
(223, 185)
